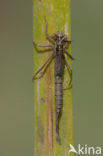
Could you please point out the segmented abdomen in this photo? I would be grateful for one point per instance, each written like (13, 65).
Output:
(58, 93)
(59, 71)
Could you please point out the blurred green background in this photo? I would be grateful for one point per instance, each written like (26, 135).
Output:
(87, 48)
(16, 70)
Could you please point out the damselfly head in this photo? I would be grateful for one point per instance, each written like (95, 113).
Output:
(59, 36)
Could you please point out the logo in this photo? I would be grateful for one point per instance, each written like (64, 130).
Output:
(85, 149)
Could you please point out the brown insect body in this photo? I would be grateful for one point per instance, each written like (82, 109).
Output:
(59, 72)
(59, 50)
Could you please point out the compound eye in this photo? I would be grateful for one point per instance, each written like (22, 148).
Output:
(55, 36)
(65, 38)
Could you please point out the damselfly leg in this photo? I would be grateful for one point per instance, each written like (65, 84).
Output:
(41, 45)
(38, 71)
(69, 68)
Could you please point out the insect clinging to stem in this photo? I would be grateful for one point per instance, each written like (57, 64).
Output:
(59, 46)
